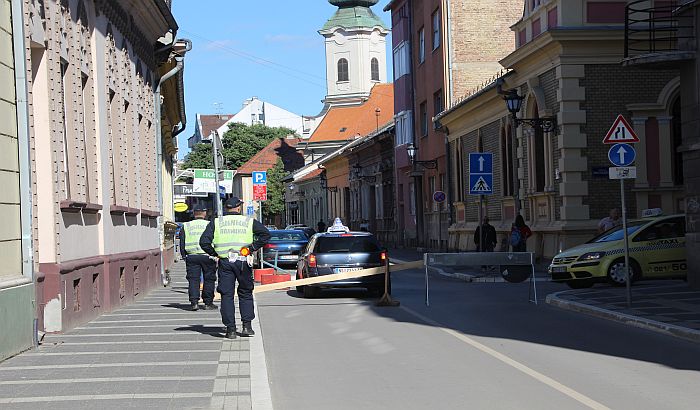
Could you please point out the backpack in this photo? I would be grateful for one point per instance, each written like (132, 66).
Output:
(516, 237)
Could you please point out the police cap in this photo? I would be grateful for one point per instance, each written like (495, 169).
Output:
(200, 208)
(233, 202)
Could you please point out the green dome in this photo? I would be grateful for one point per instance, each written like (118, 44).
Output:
(353, 3)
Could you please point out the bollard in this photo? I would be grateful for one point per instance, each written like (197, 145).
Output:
(386, 300)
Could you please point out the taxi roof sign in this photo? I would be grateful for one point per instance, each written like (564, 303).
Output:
(650, 213)
(338, 226)
(620, 132)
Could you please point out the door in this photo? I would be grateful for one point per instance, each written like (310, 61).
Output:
(660, 248)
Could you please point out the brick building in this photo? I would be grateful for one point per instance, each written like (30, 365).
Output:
(567, 66)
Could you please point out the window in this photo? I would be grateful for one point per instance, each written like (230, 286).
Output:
(412, 198)
(438, 103)
(64, 108)
(424, 118)
(85, 142)
(343, 73)
(402, 63)
(539, 155)
(668, 229)
(534, 4)
(421, 45)
(507, 161)
(436, 29)
(677, 141)
(404, 129)
(375, 69)
(431, 189)
(344, 244)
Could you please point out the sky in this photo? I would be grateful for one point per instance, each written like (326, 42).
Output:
(270, 49)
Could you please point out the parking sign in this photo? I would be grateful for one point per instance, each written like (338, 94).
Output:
(260, 178)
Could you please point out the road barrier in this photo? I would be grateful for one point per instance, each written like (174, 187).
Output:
(510, 265)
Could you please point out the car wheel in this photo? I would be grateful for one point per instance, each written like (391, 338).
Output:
(580, 283)
(616, 272)
(310, 292)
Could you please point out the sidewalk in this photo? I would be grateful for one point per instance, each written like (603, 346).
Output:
(669, 307)
(153, 354)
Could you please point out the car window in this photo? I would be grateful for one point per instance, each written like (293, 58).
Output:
(617, 234)
(332, 244)
(287, 236)
(666, 229)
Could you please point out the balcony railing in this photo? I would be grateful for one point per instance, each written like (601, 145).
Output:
(657, 33)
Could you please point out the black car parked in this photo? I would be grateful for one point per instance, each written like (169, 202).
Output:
(286, 246)
(337, 252)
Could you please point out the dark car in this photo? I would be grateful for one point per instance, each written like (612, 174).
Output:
(286, 246)
(337, 252)
(299, 227)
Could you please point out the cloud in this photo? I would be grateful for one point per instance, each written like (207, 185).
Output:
(294, 40)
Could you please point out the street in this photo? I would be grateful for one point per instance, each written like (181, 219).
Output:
(478, 345)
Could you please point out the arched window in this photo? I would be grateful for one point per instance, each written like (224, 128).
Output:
(375, 69)
(343, 74)
(539, 154)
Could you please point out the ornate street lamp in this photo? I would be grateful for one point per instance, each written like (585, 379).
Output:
(412, 150)
(514, 102)
(357, 173)
(324, 183)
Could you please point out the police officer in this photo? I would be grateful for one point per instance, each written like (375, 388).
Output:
(224, 238)
(197, 262)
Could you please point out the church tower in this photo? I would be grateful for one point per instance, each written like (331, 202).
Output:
(355, 52)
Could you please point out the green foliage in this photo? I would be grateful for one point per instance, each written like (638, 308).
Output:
(200, 157)
(241, 142)
(275, 191)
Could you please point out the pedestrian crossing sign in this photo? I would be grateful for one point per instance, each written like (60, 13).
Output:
(481, 184)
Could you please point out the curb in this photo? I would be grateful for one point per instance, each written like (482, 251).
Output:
(630, 320)
(460, 276)
(260, 394)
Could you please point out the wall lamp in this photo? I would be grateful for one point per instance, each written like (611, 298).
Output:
(324, 183)
(514, 102)
(357, 173)
(412, 151)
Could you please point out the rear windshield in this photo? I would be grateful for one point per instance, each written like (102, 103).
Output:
(287, 236)
(333, 244)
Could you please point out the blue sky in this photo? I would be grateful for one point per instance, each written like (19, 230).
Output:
(265, 48)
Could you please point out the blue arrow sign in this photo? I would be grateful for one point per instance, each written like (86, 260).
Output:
(622, 155)
(480, 173)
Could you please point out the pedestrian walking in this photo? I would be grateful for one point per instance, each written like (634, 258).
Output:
(231, 239)
(485, 239)
(519, 233)
(200, 266)
(321, 226)
(611, 221)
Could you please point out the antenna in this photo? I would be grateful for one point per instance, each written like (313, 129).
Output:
(218, 108)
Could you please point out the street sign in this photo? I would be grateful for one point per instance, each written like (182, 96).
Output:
(622, 155)
(439, 196)
(222, 191)
(621, 131)
(226, 180)
(259, 192)
(480, 173)
(204, 181)
(250, 211)
(623, 172)
(260, 178)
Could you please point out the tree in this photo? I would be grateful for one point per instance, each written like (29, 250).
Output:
(242, 141)
(199, 157)
(275, 191)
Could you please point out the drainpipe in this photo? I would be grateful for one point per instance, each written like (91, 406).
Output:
(448, 57)
(180, 60)
(23, 144)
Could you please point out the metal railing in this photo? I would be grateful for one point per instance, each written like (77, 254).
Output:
(657, 29)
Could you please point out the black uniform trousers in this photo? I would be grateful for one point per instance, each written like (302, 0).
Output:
(229, 273)
(201, 266)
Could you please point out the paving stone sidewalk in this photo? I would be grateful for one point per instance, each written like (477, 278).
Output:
(669, 307)
(151, 354)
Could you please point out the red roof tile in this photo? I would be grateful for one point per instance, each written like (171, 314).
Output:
(212, 122)
(311, 175)
(267, 157)
(345, 123)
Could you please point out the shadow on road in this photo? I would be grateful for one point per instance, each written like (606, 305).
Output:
(213, 331)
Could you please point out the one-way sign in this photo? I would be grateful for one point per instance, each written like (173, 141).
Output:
(480, 173)
(622, 155)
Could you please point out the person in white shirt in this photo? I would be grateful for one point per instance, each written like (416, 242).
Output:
(611, 221)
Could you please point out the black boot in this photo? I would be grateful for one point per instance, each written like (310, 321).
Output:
(247, 330)
(230, 333)
(210, 306)
(194, 307)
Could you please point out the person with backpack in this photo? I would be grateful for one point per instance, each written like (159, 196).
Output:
(519, 233)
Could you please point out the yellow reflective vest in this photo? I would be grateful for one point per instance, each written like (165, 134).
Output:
(231, 233)
(193, 231)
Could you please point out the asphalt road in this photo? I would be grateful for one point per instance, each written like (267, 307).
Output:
(478, 346)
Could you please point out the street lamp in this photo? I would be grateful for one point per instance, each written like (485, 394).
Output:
(357, 173)
(412, 150)
(514, 102)
(324, 183)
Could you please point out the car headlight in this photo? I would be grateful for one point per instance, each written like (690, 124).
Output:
(591, 256)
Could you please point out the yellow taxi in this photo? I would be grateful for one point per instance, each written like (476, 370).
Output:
(657, 250)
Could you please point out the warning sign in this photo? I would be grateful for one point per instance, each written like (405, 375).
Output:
(621, 131)
(480, 186)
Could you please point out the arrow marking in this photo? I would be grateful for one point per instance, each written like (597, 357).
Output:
(481, 164)
(622, 151)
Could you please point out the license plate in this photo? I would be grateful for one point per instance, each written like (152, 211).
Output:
(289, 257)
(343, 270)
(559, 269)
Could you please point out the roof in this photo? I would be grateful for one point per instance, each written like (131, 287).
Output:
(209, 123)
(280, 148)
(344, 123)
(354, 17)
(311, 175)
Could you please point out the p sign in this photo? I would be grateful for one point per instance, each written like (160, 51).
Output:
(260, 178)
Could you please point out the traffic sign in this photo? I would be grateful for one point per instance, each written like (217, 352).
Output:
(260, 178)
(623, 172)
(250, 211)
(259, 192)
(480, 173)
(621, 155)
(439, 196)
(621, 131)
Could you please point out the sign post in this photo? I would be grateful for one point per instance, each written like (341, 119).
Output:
(621, 155)
(481, 183)
(439, 197)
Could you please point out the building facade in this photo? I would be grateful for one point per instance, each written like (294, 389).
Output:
(100, 164)
(566, 66)
(16, 257)
(256, 111)
(205, 124)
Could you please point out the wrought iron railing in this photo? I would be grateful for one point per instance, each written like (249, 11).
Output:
(656, 29)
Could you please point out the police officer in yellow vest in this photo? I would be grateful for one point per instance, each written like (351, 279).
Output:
(197, 262)
(224, 238)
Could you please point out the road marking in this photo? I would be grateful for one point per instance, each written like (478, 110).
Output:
(49, 344)
(585, 400)
(85, 397)
(104, 380)
(95, 365)
(104, 352)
